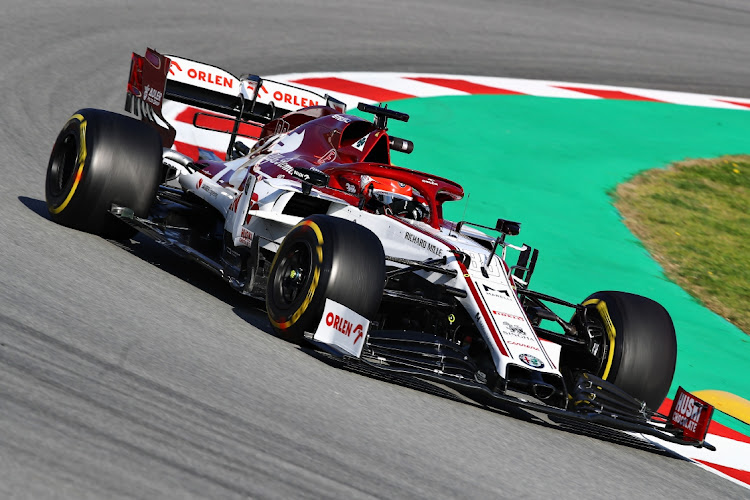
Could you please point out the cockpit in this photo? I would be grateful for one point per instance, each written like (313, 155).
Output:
(390, 197)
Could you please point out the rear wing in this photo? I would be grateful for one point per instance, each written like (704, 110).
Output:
(247, 99)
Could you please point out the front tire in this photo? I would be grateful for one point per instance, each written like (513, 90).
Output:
(101, 158)
(321, 258)
(641, 344)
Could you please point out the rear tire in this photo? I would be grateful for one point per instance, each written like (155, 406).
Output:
(101, 158)
(321, 258)
(642, 346)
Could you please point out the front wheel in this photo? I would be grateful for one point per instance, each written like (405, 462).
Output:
(640, 344)
(321, 258)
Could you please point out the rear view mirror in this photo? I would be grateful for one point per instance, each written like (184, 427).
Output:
(508, 227)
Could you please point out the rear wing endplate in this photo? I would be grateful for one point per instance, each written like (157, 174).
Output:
(145, 94)
(249, 98)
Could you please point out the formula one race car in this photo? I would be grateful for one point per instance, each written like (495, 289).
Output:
(352, 254)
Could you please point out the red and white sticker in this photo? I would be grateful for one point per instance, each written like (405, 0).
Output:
(288, 97)
(245, 238)
(203, 75)
(690, 414)
(343, 328)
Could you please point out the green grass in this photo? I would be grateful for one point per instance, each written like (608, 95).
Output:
(694, 218)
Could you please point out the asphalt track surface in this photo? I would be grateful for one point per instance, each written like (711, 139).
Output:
(126, 374)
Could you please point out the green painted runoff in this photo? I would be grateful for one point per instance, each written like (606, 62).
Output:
(550, 164)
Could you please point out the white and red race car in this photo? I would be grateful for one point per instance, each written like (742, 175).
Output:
(352, 254)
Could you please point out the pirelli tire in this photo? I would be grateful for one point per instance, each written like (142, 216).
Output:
(100, 158)
(321, 258)
(641, 344)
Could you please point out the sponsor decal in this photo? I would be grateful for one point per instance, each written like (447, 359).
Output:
(281, 93)
(199, 183)
(208, 77)
(174, 66)
(506, 315)
(341, 118)
(205, 187)
(526, 346)
(202, 76)
(530, 360)
(342, 327)
(294, 99)
(350, 188)
(430, 181)
(246, 237)
(500, 294)
(284, 96)
(329, 156)
(345, 327)
(690, 414)
(283, 164)
(431, 247)
(152, 95)
(513, 330)
(360, 144)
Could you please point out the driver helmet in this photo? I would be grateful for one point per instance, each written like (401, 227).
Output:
(387, 196)
(386, 190)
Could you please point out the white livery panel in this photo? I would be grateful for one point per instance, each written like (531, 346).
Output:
(203, 76)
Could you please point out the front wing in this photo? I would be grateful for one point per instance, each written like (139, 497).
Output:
(593, 400)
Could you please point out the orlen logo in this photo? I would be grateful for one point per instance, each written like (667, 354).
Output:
(203, 76)
(172, 66)
(345, 327)
(329, 156)
(292, 99)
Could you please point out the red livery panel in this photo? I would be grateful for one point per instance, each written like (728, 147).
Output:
(690, 414)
